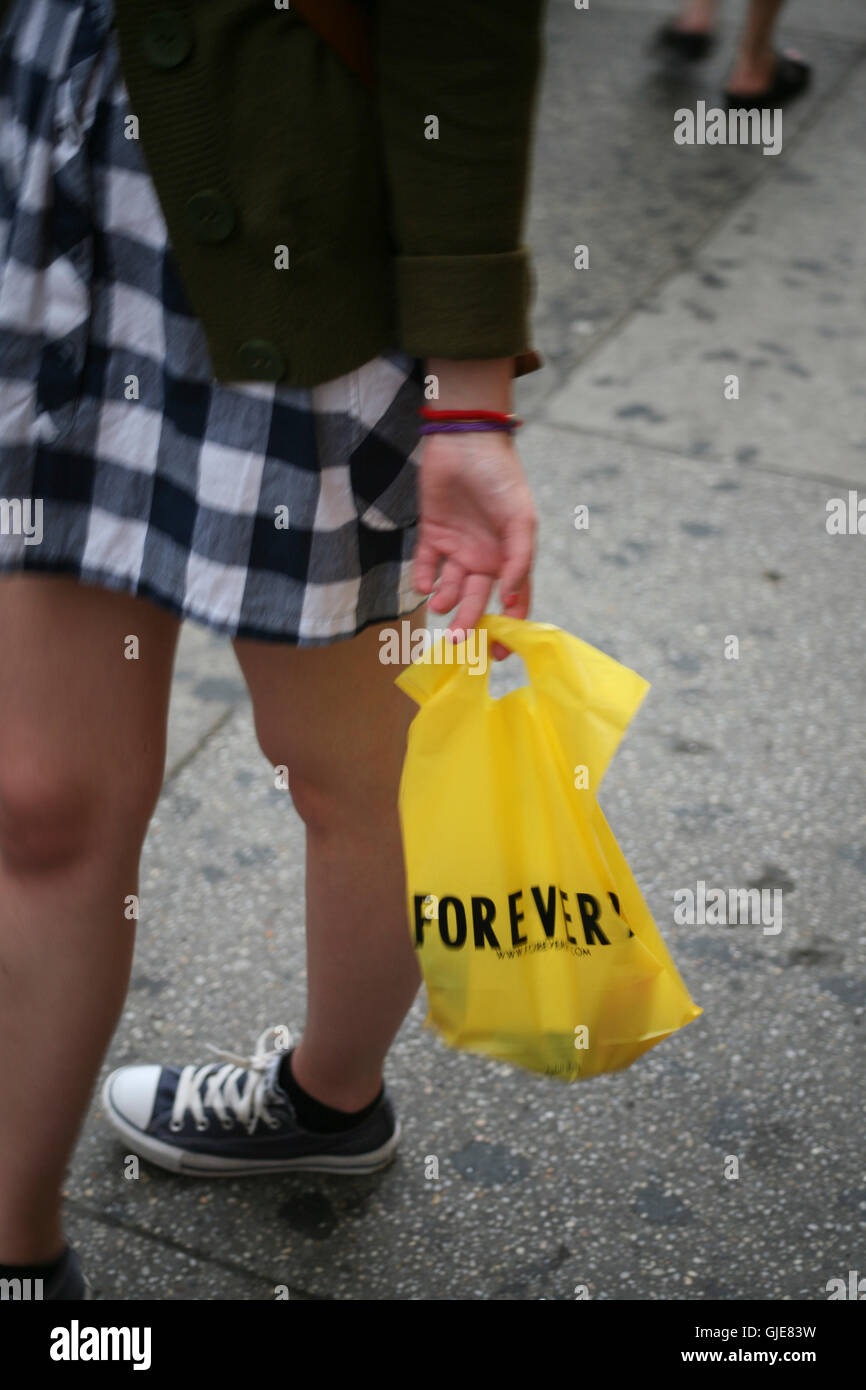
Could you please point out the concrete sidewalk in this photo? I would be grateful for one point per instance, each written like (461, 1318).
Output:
(707, 519)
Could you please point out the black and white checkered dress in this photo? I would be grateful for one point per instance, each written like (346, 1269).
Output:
(263, 511)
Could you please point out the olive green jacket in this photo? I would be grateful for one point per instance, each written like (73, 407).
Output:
(315, 222)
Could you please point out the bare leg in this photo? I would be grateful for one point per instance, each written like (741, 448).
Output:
(697, 16)
(333, 716)
(82, 755)
(755, 61)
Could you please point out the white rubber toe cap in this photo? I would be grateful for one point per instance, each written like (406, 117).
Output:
(130, 1092)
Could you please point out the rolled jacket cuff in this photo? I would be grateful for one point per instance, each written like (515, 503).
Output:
(465, 306)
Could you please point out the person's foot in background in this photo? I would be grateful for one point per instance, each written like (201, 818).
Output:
(760, 75)
(692, 34)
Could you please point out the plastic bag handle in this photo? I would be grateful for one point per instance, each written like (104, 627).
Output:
(532, 641)
(535, 643)
(572, 672)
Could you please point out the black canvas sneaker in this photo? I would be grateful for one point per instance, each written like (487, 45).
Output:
(231, 1118)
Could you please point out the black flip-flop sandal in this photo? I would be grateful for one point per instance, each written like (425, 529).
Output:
(790, 77)
(679, 43)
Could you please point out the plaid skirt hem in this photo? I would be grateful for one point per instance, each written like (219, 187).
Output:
(346, 624)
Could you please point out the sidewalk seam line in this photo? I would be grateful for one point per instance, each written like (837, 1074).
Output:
(712, 459)
(186, 758)
(116, 1223)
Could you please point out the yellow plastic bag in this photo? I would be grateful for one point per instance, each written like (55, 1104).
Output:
(534, 941)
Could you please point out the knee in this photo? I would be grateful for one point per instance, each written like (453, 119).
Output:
(53, 816)
(348, 805)
(338, 791)
(309, 783)
(319, 805)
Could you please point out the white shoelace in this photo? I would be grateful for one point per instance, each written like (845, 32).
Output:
(215, 1087)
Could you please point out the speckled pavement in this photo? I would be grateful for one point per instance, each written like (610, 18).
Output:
(705, 524)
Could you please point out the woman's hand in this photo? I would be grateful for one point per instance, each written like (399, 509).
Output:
(477, 525)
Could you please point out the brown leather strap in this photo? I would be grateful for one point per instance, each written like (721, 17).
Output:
(347, 29)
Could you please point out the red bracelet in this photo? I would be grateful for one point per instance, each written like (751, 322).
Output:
(502, 417)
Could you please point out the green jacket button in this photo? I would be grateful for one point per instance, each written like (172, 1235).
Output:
(211, 215)
(167, 39)
(261, 360)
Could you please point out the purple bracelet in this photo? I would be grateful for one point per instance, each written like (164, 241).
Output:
(464, 426)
